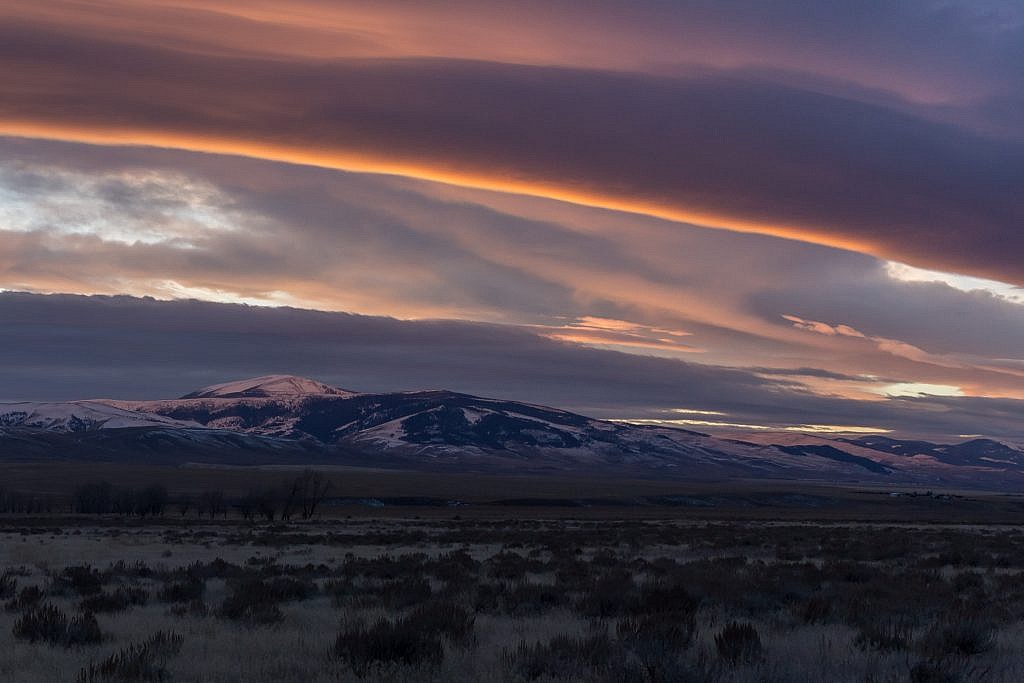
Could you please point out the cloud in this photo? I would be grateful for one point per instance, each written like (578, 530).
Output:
(931, 315)
(78, 218)
(823, 328)
(923, 50)
(721, 148)
(64, 347)
(890, 346)
(819, 373)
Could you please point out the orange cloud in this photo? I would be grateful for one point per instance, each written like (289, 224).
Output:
(700, 149)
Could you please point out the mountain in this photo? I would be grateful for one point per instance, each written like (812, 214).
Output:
(268, 386)
(295, 420)
(974, 453)
(152, 445)
(79, 416)
(453, 431)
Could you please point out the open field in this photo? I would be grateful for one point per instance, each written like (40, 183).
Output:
(361, 492)
(519, 597)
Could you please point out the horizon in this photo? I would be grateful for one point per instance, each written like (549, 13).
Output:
(721, 430)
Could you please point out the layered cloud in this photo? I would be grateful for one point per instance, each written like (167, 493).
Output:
(123, 347)
(817, 142)
(179, 225)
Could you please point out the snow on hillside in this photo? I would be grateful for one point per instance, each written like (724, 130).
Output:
(269, 386)
(80, 416)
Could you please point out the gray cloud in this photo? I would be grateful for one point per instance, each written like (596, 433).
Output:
(818, 373)
(930, 315)
(221, 227)
(62, 347)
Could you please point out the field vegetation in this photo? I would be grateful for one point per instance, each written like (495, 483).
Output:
(171, 596)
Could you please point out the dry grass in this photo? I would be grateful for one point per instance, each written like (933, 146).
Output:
(511, 600)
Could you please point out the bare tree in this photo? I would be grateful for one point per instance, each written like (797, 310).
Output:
(291, 500)
(306, 493)
(212, 503)
(316, 487)
(151, 500)
(94, 498)
(266, 506)
(245, 505)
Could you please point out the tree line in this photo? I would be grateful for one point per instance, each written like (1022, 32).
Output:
(16, 502)
(300, 498)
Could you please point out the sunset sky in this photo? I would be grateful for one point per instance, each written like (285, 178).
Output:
(716, 214)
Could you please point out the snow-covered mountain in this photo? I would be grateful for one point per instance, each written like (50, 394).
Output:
(269, 386)
(281, 418)
(444, 429)
(99, 430)
(80, 416)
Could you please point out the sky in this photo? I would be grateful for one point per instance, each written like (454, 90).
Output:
(762, 215)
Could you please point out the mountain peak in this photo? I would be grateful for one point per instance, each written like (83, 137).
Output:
(268, 386)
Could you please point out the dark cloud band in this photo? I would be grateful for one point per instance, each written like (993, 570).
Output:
(64, 347)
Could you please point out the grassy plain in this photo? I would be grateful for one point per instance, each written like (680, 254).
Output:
(524, 580)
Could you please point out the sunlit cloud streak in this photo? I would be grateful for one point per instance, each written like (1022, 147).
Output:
(723, 149)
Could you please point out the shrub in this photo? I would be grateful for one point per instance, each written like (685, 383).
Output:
(41, 623)
(659, 598)
(195, 608)
(8, 585)
(967, 636)
(609, 596)
(241, 608)
(561, 657)
(886, 635)
(969, 581)
(664, 619)
(137, 569)
(256, 601)
(443, 617)
(512, 566)
(83, 630)
(48, 624)
(398, 642)
(657, 633)
(340, 590)
(146, 661)
(455, 568)
(402, 594)
(932, 672)
(83, 579)
(119, 600)
(27, 597)
(738, 643)
(190, 589)
(532, 598)
(816, 609)
(284, 588)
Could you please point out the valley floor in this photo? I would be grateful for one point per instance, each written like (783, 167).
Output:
(518, 598)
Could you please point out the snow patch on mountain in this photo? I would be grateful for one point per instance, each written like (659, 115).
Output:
(81, 416)
(269, 386)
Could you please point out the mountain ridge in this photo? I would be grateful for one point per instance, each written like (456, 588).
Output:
(289, 419)
(268, 386)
